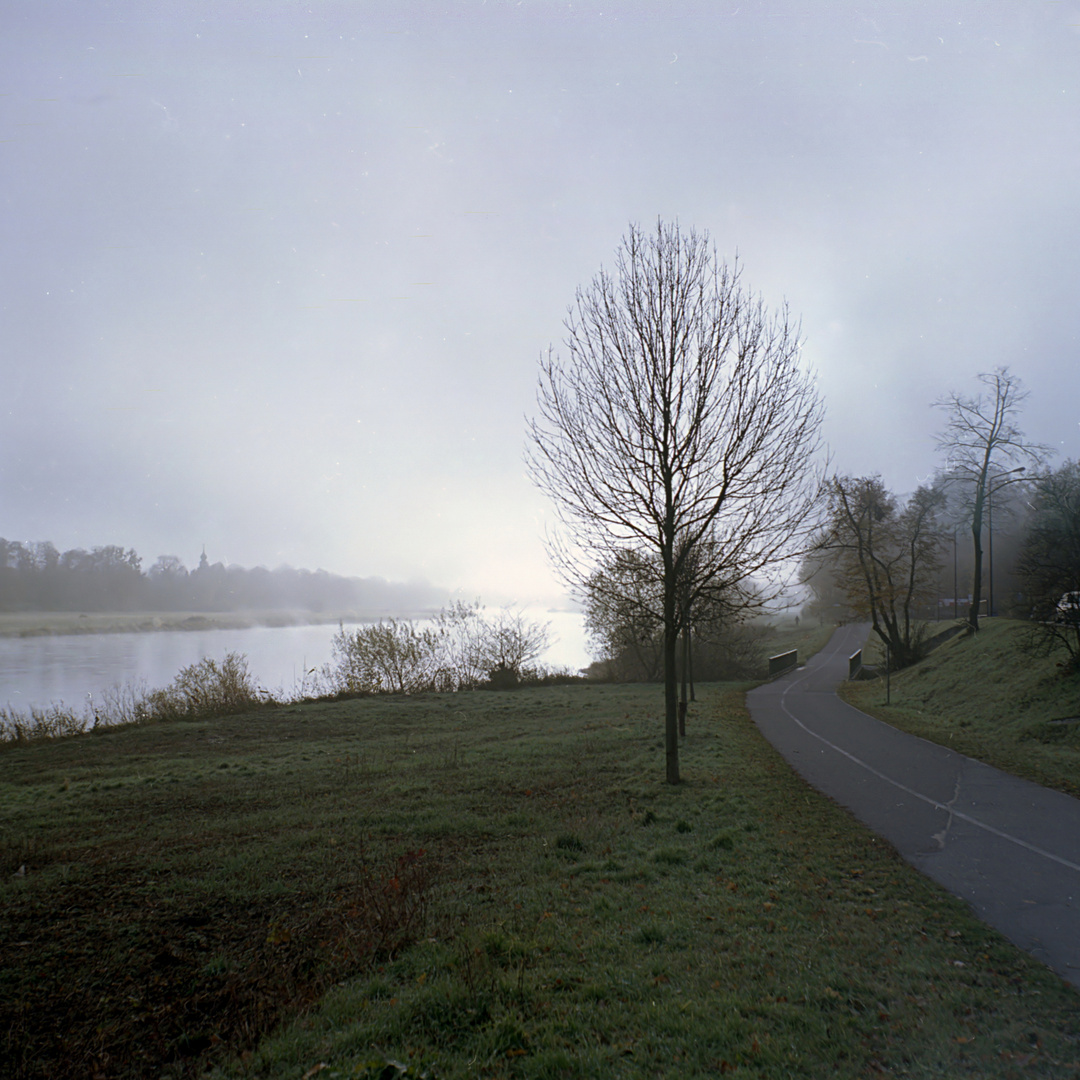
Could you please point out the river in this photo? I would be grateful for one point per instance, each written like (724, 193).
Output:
(48, 670)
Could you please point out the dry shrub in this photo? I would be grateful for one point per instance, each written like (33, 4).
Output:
(208, 688)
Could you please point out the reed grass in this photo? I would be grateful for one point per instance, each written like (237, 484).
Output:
(204, 689)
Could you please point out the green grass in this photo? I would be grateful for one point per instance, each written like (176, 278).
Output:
(806, 638)
(987, 698)
(482, 885)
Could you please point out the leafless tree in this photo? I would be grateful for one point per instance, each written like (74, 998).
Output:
(884, 556)
(680, 417)
(511, 642)
(983, 445)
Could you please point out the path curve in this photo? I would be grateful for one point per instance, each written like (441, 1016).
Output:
(1007, 846)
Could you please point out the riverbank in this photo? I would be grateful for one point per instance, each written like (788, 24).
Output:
(23, 624)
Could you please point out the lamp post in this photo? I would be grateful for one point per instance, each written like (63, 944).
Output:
(990, 526)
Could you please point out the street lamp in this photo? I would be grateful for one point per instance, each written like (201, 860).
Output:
(990, 525)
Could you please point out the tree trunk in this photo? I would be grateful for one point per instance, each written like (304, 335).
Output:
(671, 703)
(671, 686)
(976, 585)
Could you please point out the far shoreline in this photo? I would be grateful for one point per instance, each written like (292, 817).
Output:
(26, 624)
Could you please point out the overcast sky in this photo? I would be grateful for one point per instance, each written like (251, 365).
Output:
(276, 276)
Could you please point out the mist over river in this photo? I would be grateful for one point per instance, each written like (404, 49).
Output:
(48, 669)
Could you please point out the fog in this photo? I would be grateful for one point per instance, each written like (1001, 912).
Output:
(276, 278)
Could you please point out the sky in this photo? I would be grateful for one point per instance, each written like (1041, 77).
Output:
(277, 276)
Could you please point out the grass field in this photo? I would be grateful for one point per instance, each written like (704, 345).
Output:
(482, 885)
(987, 698)
(805, 638)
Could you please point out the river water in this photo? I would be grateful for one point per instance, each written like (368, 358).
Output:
(47, 670)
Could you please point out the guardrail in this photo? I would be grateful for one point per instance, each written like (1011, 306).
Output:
(854, 665)
(783, 662)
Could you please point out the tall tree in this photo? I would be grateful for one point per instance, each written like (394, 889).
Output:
(983, 445)
(681, 417)
(884, 555)
(1049, 562)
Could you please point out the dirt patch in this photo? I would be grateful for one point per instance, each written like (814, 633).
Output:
(113, 981)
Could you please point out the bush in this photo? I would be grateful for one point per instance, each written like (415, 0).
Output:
(385, 657)
(51, 722)
(462, 650)
(207, 688)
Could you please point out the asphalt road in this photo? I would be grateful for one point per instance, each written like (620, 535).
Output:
(1009, 847)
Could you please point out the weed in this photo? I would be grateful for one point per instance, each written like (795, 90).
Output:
(649, 935)
(669, 856)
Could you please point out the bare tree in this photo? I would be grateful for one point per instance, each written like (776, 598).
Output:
(680, 417)
(624, 616)
(624, 613)
(983, 445)
(884, 556)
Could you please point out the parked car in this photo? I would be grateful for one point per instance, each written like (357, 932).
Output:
(1068, 608)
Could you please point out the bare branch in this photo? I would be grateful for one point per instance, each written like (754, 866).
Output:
(680, 426)
(981, 441)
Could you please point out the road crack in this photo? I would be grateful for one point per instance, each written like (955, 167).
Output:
(942, 836)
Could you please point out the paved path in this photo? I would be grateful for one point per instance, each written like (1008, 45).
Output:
(1007, 846)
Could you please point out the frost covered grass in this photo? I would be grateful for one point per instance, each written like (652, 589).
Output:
(989, 698)
(491, 884)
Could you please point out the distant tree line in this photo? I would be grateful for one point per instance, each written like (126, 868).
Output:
(38, 577)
